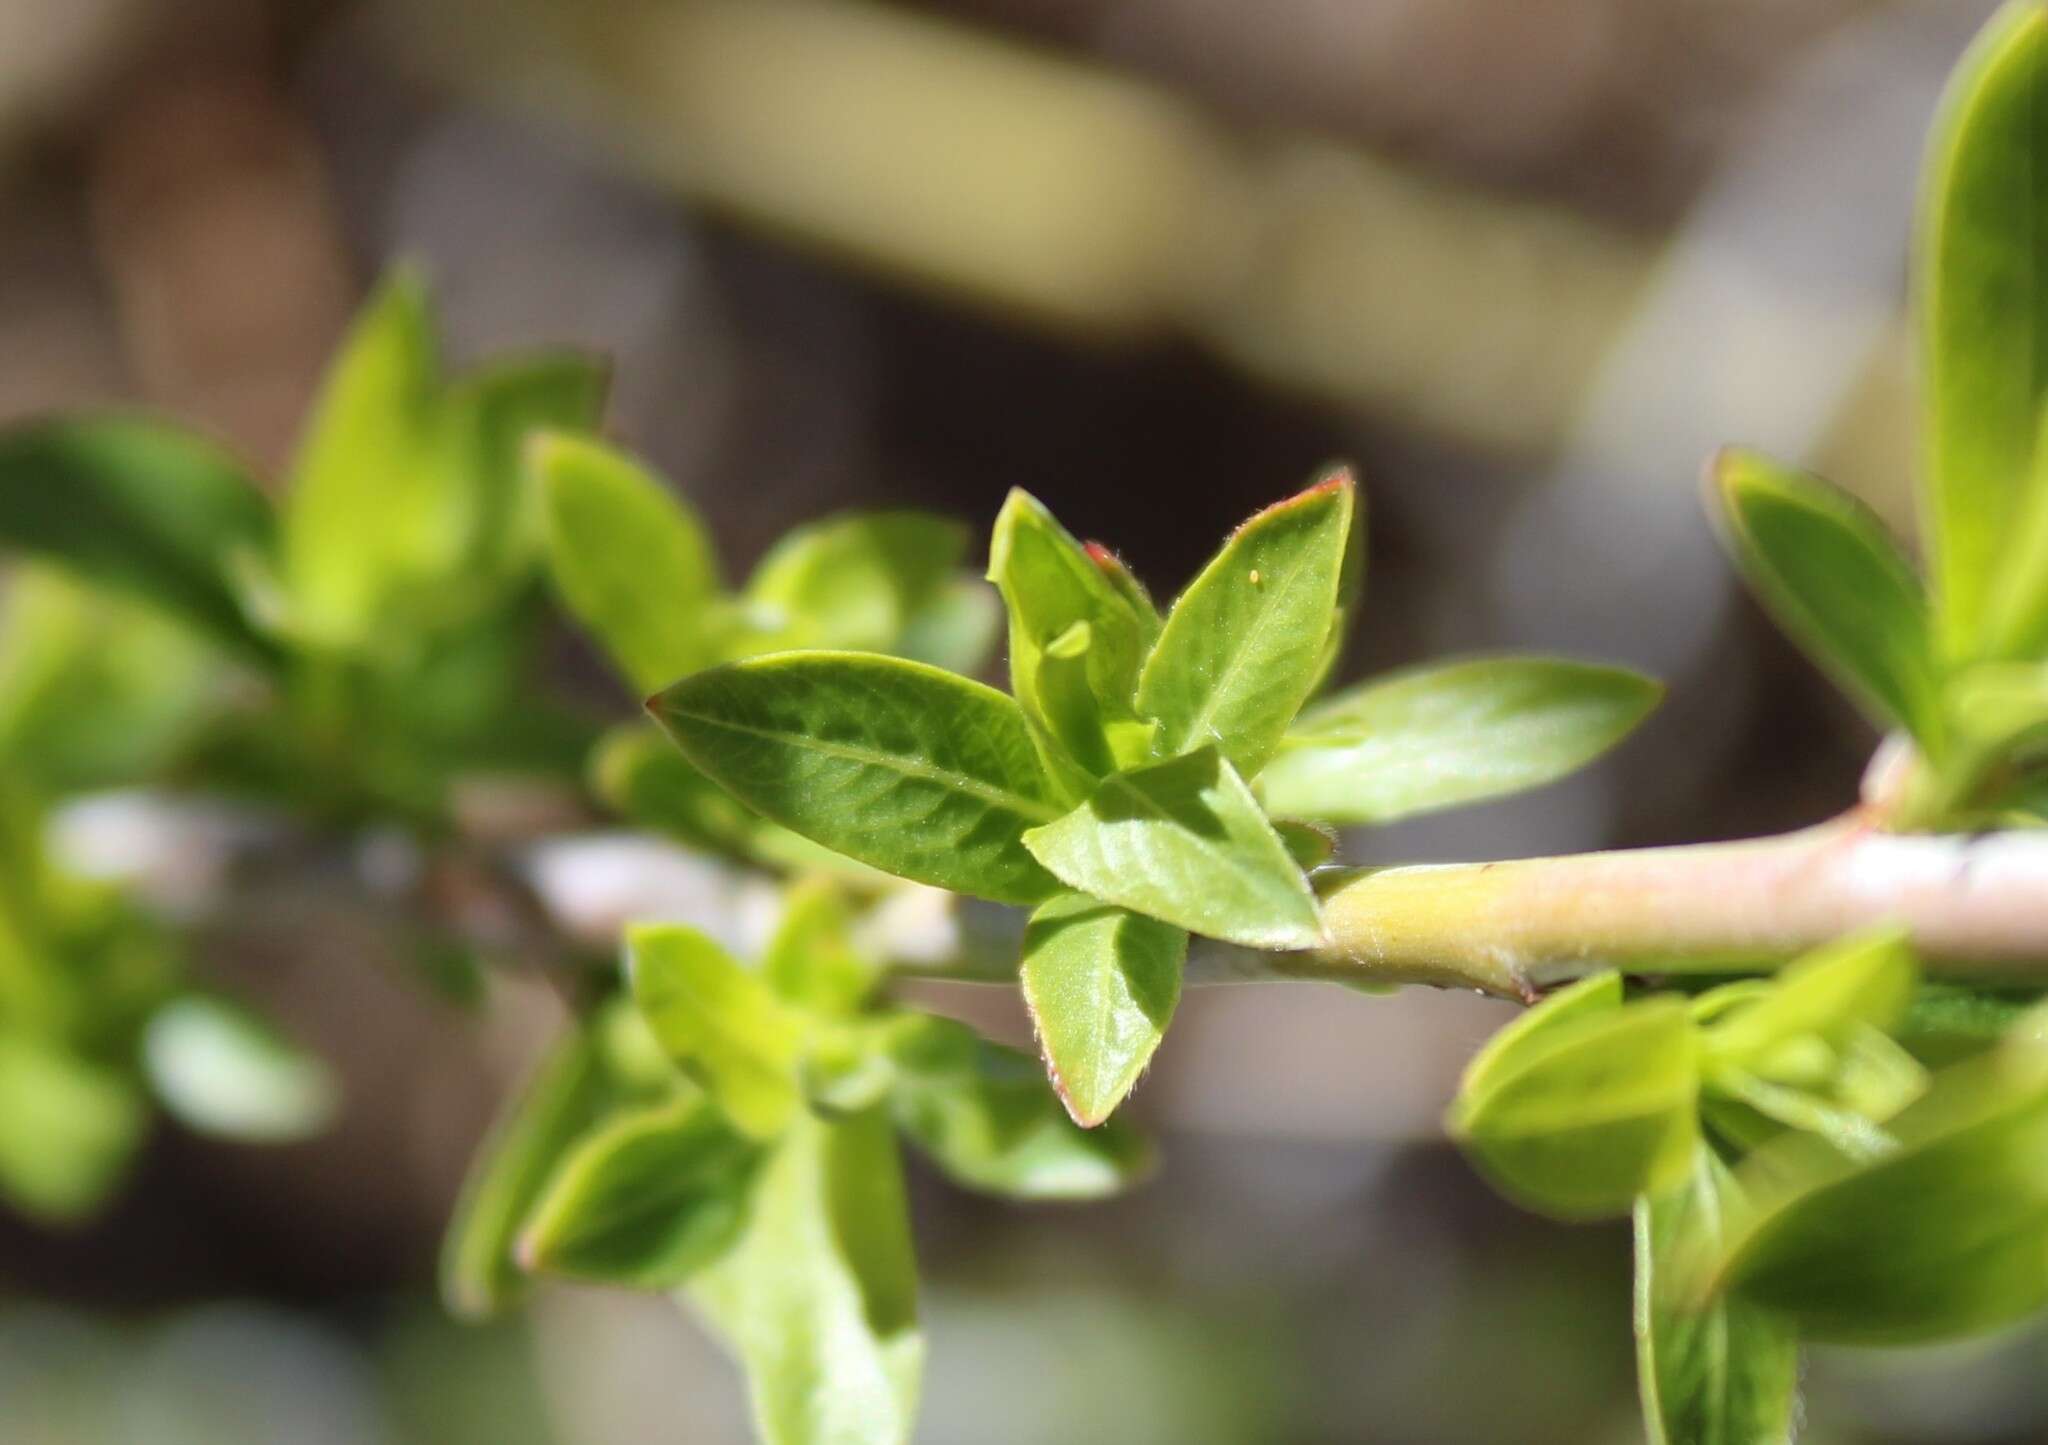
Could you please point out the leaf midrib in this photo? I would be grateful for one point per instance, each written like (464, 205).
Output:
(892, 762)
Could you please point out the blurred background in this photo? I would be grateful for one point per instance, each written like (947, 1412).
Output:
(1524, 262)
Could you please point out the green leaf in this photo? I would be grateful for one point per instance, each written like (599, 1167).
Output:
(1532, 1031)
(819, 1297)
(855, 582)
(956, 628)
(1999, 710)
(811, 960)
(985, 1116)
(1940, 1239)
(639, 774)
(720, 1022)
(96, 690)
(1867, 979)
(910, 769)
(1449, 734)
(143, 508)
(1183, 841)
(1077, 636)
(1982, 277)
(632, 561)
(1244, 645)
(69, 1129)
(1308, 844)
(646, 1201)
(491, 416)
(224, 1072)
(565, 1096)
(1833, 576)
(1579, 1120)
(1101, 983)
(369, 512)
(1713, 1371)
(1125, 581)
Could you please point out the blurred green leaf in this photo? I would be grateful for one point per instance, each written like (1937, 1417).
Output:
(915, 771)
(565, 1097)
(632, 561)
(1076, 636)
(1832, 575)
(1941, 1238)
(1448, 734)
(641, 776)
(69, 1129)
(819, 1297)
(811, 960)
(1999, 710)
(1101, 983)
(1183, 841)
(985, 1116)
(223, 1071)
(1713, 1371)
(955, 628)
(1244, 646)
(95, 690)
(1579, 1120)
(1308, 844)
(645, 1201)
(490, 417)
(1983, 309)
(853, 582)
(1865, 979)
(143, 508)
(369, 513)
(720, 1022)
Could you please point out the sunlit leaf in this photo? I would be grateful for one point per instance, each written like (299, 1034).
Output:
(719, 1021)
(222, 1071)
(1713, 1371)
(142, 507)
(1244, 646)
(1838, 582)
(632, 561)
(955, 628)
(1183, 841)
(819, 1297)
(1448, 734)
(645, 1201)
(913, 770)
(1101, 983)
(853, 582)
(68, 1129)
(567, 1094)
(1982, 280)
(1580, 1120)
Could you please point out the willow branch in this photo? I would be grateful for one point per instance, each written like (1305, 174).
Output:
(1975, 906)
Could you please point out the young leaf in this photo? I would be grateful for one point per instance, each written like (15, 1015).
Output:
(491, 416)
(720, 1022)
(1244, 645)
(1867, 979)
(1448, 734)
(910, 769)
(639, 774)
(223, 1071)
(1939, 1239)
(1982, 280)
(369, 513)
(1713, 1371)
(955, 628)
(1833, 576)
(68, 1129)
(632, 561)
(811, 960)
(853, 582)
(1531, 1032)
(566, 1095)
(985, 1116)
(1101, 984)
(1183, 841)
(144, 508)
(646, 1201)
(1591, 1113)
(1076, 636)
(819, 1296)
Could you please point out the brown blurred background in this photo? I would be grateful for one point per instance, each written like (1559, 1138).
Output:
(1525, 262)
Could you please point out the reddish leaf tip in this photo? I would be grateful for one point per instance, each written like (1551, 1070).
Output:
(1100, 555)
